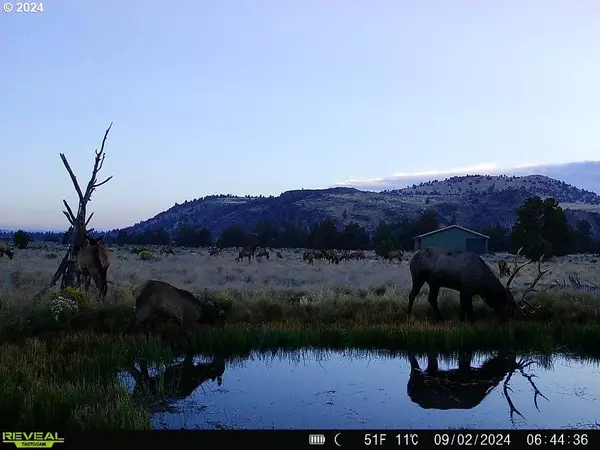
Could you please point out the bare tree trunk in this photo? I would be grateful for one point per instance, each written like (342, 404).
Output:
(66, 269)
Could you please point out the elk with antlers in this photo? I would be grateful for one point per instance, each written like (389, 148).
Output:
(468, 274)
(465, 387)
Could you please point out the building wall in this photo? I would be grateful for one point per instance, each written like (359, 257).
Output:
(455, 239)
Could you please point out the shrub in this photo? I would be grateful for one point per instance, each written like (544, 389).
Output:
(146, 255)
(81, 299)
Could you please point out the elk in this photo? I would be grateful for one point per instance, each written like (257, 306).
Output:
(309, 256)
(92, 261)
(263, 252)
(464, 387)
(357, 255)
(167, 250)
(177, 382)
(160, 300)
(279, 255)
(391, 255)
(247, 252)
(4, 250)
(468, 274)
(331, 256)
(214, 251)
(504, 269)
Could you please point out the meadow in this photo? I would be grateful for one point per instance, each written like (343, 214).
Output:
(59, 370)
(289, 290)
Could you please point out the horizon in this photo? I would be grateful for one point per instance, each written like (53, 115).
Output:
(260, 99)
(417, 178)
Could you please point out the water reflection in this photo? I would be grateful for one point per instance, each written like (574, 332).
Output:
(318, 389)
(466, 386)
(177, 382)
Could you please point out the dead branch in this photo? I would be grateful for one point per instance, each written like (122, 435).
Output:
(70, 216)
(574, 283)
(78, 221)
(55, 277)
(72, 175)
(72, 222)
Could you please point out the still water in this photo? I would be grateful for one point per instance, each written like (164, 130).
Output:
(315, 389)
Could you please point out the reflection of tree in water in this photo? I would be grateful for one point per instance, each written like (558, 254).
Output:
(176, 382)
(466, 386)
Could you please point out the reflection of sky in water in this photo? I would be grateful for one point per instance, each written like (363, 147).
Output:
(344, 390)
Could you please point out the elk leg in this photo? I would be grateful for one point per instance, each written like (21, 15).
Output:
(464, 361)
(414, 364)
(432, 299)
(466, 306)
(432, 364)
(87, 280)
(103, 282)
(97, 280)
(416, 287)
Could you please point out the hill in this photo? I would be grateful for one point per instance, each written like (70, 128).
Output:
(474, 201)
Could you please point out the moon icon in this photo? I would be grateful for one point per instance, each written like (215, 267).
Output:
(335, 439)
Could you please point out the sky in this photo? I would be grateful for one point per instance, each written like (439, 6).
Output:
(261, 97)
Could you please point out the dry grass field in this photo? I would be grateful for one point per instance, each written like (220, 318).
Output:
(62, 374)
(287, 280)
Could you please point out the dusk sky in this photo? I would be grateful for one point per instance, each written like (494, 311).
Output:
(260, 97)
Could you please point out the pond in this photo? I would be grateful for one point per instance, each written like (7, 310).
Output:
(316, 389)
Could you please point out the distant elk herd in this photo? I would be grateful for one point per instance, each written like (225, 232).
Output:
(461, 271)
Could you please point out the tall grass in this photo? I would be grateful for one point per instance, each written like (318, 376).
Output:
(70, 383)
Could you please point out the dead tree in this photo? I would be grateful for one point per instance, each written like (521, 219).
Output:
(78, 221)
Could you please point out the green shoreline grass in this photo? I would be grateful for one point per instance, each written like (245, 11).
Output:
(304, 310)
(62, 374)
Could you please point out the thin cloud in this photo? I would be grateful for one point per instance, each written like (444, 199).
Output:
(402, 179)
(410, 176)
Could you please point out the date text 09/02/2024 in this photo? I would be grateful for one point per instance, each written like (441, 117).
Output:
(529, 438)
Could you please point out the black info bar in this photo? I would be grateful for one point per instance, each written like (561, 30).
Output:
(319, 439)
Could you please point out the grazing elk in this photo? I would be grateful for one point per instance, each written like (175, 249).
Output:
(92, 261)
(331, 255)
(263, 252)
(160, 300)
(470, 275)
(167, 250)
(177, 382)
(357, 255)
(4, 250)
(214, 251)
(247, 252)
(504, 269)
(309, 256)
(466, 386)
(392, 255)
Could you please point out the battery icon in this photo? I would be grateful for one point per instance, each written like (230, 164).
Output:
(316, 439)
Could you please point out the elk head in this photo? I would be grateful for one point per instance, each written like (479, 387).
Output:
(92, 241)
(522, 303)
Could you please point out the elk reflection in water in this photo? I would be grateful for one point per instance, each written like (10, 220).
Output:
(466, 386)
(176, 382)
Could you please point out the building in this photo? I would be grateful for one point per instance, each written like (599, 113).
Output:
(454, 237)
